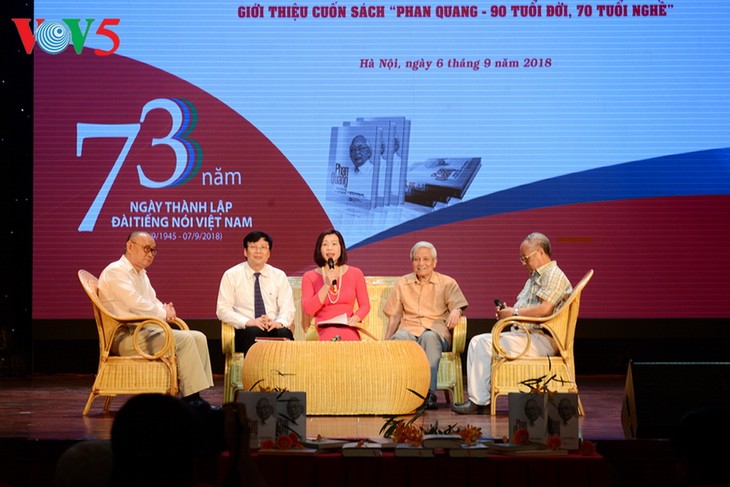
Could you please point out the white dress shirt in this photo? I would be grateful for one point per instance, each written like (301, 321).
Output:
(235, 295)
(126, 292)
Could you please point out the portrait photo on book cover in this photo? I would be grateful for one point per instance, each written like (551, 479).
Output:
(261, 410)
(291, 410)
(354, 165)
(528, 411)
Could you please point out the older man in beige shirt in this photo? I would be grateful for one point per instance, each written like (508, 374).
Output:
(425, 306)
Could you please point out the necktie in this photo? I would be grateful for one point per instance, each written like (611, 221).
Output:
(258, 301)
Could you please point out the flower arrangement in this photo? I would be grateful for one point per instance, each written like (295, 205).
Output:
(470, 434)
(520, 437)
(554, 442)
(587, 448)
(283, 442)
(406, 431)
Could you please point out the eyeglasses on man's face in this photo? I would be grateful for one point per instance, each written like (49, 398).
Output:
(147, 249)
(262, 248)
(525, 258)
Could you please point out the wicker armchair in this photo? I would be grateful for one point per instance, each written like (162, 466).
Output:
(509, 371)
(137, 374)
(450, 375)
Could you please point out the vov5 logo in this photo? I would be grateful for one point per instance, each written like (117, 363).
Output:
(53, 37)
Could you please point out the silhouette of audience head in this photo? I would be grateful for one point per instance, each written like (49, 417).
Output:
(156, 440)
(160, 440)
(86, 464)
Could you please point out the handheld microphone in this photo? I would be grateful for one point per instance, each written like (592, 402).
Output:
(331, 264)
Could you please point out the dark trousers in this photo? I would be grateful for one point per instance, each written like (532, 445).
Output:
(245, 338)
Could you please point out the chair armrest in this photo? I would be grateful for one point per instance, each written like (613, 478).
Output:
(506, 324)
(528, 324)
(228, 339)
(167, 349)
(458, 336)
(181, 325)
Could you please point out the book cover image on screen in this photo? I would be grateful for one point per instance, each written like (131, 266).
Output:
(354, 166)
(438, 180)
(384, 151)
(368, 162)
(396, 137)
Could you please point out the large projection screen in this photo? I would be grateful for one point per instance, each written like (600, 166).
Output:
(470, 125)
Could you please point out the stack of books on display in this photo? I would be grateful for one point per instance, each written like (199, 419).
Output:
(408, 450)
(370, 447)
(324, 444)
(453, 445)
(368, 162)
(442, 441)
(432, 445)
(477, 450)
(528, 449)
(287, 451)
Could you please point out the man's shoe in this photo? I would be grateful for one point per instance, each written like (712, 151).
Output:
(431, 401)
(469, 407)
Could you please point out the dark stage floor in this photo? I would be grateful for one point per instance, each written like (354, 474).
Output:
(48, 407)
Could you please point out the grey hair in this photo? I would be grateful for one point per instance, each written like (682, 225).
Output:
(539, 240)
(427, 245)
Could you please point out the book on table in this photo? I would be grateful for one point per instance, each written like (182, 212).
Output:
(406, 450)
(291, 413)
(324, 443)
(288, 451)
(478, 450)
(362, 448)
(442, 441)
(262, 418)
(528, 449)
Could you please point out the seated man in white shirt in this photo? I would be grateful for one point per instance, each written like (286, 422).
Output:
(270, 313)
(125, 290)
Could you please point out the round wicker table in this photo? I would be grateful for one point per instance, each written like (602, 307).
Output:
(342, 378)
